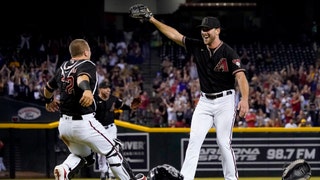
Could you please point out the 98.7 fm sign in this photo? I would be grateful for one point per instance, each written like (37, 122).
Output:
(260, 154)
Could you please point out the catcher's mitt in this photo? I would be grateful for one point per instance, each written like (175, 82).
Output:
(136, 102)
(140, 11)
(164, 172)
(297, 170)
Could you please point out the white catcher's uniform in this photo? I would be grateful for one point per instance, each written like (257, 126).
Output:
(88, 134)
(102, 160)
(78, 127)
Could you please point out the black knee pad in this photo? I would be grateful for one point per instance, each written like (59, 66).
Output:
(117, 148)
(118, 144)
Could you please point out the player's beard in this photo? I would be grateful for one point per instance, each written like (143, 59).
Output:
(208, 38)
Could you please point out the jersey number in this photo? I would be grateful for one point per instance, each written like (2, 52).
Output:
(68, 84)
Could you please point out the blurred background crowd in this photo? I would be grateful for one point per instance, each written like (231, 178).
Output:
(282, 68)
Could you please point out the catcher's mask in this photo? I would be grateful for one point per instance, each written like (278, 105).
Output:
(297, 170)
(164, 172)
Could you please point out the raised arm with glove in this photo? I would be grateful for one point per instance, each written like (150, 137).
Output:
(141, 12)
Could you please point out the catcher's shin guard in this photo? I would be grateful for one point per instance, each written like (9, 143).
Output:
(74, 163)
(89, 160)
(118, 164)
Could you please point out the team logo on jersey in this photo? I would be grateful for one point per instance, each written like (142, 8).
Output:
(222, 66)
(236, 62)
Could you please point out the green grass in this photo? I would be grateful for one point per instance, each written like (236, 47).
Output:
(254, 178)
(244, 178)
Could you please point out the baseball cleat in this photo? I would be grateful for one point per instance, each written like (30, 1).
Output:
(60, 173)
(140, 176)
(103, 176)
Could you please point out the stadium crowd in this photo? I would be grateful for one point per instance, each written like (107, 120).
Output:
(285, 94)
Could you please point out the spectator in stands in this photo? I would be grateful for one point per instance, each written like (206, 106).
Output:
(277, 122)
(135, 53)
(121, 48)
(302, 114)
(192, 69)
(296, 103)
(291, 124)
(156, 83)
(288, 115)
(158, 118)
(317, 95)
(171, 113)
(269, 103)
(127, 34)
(306, 93)
(25, 41)
(166, 67)
(303, 123)
(307, 75)
(142, 110)
(101, 73)
(313, 115)
(251, 118)
(163, 110)
(113, 60)
(4, 79)
(117, 78)
(260, 117)
(180, 118)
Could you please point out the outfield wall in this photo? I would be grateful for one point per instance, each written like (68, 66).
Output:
(259, 151)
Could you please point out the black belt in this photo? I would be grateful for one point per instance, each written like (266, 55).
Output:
(71, 117)
(215, 96)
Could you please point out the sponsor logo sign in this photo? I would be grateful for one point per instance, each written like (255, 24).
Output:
(29, 113)
(252, 154)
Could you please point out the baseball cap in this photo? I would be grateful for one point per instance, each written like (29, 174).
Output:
(210, 22)
(104, 84)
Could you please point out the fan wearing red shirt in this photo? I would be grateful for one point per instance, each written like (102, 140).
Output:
(251, 118)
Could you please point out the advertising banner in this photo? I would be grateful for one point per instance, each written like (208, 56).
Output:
(262, 154)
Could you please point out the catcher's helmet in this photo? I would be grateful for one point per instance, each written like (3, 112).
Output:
(297, 170)
(164, 172)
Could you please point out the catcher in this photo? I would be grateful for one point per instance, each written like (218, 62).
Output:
(297, 170)
(106, 104)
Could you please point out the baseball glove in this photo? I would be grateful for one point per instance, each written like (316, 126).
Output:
(297, 170)
(140, 11)
(164, 172)
(136, 102)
